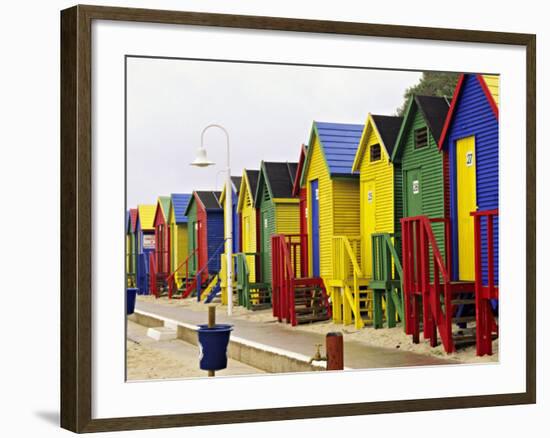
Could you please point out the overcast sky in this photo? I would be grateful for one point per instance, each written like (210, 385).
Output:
(267, 109)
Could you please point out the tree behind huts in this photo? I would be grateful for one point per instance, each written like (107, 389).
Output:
(431, 84)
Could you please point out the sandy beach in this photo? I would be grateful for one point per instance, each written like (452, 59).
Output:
(174, 359)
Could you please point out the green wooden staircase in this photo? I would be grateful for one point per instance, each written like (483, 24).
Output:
(253, 295)
(386, 282)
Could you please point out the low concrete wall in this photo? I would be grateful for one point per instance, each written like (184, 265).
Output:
(263, 357)
(146, 320)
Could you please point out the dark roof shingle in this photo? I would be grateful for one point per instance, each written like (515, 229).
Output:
(435, 111)
(209, 199)
(252, 176)
(388, 127)
(281, 177)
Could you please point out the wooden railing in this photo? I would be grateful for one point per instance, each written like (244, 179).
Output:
(347, 269)
(153, 275)
(387, 275)
(282, 278)
(486, 290)
(428, 277)
(204, 268)
(172, 280)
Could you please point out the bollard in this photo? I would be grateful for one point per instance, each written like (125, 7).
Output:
(211, 324)
(335, 351)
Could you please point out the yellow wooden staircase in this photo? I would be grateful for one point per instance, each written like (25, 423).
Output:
(352, 301)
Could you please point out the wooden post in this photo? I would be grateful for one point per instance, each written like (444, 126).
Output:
(335, 351)
(211, 324)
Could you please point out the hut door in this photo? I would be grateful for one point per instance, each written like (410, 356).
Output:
(315, 256)
(265, 249)
(195, 246)
(248, 247)
(466, 203)
(369, 223)
(413, 192)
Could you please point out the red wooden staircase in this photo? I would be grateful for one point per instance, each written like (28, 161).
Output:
(296, 297)
(187, 284)
(432, 298)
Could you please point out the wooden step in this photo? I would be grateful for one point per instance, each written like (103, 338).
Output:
(463, 301)
(460, 319)
(309, 318)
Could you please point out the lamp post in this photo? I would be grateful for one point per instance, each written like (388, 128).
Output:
(202, 161)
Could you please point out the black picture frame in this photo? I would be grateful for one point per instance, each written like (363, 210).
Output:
(76, 217)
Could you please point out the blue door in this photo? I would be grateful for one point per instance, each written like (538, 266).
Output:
(314, 190)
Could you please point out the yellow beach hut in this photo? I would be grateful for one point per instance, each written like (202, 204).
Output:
(333, 217)
(381, 207)
(235, 241)
(248, 213)
(177, 221)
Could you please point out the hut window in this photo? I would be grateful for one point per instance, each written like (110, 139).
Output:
(375, 153)
(420, 138)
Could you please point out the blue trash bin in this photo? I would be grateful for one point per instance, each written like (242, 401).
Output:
(131, 300)
(213, 346)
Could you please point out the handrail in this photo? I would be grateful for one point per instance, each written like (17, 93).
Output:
(386, 237)
(416, 257)
(216, 253)
(435, 248)
(346, 244)
(199, 273)
(153, 274)
(171, 277)
(485, 291)
(173, 273)
(395, 256)
(425, 221)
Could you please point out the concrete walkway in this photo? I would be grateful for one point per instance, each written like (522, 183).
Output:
(285, 337)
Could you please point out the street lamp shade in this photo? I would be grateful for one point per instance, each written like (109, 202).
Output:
(202, 160)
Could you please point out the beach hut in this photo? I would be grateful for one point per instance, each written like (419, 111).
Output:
(235, 187)
(470, 138)
(236, 231)
(247, 213)
(178, 235)
(205, 233)
(333, 218)
(278, 210)
(145, 240)
(131, 249)
(380, 185)
(162, 242)
(381, 208)
(416, 155)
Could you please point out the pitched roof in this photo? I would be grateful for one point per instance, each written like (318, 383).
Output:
(252, 176)
(236, 180)
(339, 142)
(490, 94)
(132, 219)
(179, 203)
(434, 111)
(209, 199)
(236, 186)
(388, 128)
(300, 169)
(146, 214)
(164, 202)
(279, 178)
